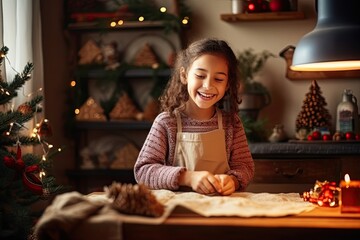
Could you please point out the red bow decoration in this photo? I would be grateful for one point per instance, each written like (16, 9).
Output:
(29, 178)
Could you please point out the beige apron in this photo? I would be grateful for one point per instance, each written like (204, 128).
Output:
(201, 151)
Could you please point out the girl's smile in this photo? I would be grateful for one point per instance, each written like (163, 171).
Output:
(207, 82)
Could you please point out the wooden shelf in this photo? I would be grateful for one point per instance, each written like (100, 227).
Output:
(128, 25)
(101, 72)
(267, 16)
(113, 125)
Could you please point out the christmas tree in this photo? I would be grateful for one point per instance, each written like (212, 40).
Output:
(24, 178)
(313, 113)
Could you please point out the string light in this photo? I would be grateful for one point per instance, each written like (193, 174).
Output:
(120, 22)
(77, 111)
(163, 9)
(113, 24)
(42, 174)
(141, 19)
(73, 83)
(185, 20)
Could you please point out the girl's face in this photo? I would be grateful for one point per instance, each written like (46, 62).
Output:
(207, 82)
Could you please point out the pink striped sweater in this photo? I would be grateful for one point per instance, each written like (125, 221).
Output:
(154, 166)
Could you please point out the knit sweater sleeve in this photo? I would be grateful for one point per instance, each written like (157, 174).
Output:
(240, 159)
(152, 167)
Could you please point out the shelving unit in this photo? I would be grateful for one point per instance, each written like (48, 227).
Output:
(131, 36)
(266, 16)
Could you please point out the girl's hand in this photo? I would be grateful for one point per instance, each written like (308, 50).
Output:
(228, 185)
(202, 182)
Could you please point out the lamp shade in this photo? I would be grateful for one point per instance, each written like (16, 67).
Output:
(334, 44)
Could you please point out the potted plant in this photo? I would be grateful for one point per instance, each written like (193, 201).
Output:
(254, 95)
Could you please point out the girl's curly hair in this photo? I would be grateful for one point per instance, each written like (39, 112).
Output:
(176, 95)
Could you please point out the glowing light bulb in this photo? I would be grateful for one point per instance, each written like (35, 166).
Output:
(77, 111)
(73, 83)
(112, 24)
(163, 9)
(120, 22)
(141, 19)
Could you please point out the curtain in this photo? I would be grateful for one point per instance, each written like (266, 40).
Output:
(20, 31)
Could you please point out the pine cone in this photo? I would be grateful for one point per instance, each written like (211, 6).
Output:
(134, 199)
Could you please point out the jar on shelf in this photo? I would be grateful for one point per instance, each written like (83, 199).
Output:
(347, 117)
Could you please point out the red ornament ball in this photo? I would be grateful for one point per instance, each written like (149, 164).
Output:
(350, 136)
(316, 135)
(310, 138)
(327, 137)
(357, 137)
(25, 109)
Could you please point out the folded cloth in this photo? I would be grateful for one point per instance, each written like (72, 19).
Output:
(76, 216)
(64, 214)
(241, 204)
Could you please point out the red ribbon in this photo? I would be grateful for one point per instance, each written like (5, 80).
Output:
(29, 178)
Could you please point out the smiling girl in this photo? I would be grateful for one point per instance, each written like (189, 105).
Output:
(195, 143)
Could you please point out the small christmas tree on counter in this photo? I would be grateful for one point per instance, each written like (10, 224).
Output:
(313, 114)
(24, 178)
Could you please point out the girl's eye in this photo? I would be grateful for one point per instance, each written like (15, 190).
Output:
(219, 79)
(199, 76)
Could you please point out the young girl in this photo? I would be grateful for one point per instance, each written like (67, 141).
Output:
(194, 143)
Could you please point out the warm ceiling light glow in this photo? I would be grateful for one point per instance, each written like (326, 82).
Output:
(333, 45)
(328, 66)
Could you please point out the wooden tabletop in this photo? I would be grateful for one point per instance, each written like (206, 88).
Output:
(320, 223)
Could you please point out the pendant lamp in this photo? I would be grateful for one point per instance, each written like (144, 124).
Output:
(334, 44)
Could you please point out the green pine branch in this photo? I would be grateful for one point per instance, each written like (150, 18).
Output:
(9, 90)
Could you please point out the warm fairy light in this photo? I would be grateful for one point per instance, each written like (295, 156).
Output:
(73, 83)
(7, 133)
(120, 22)
(42, 174)
(185, 20)
(163, 9)
(50, 146)
(112, 24)
(35, 130)
(43, 158)
(141, 19)
(77, 111)
(59, 149)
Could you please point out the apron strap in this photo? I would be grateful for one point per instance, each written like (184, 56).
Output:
(178, 122)
(220, 124)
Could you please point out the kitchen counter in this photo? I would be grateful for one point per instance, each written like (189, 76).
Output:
(321, 223)
(305, 147)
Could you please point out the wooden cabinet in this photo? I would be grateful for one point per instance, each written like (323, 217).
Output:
(295, 167)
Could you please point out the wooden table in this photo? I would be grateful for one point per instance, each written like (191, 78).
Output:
(320, 223)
